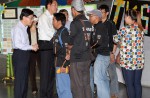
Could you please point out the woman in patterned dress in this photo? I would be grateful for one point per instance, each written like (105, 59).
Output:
(131, 40)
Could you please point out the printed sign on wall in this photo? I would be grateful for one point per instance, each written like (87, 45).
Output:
(120, 6)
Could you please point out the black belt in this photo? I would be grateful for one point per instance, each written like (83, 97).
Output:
(45, 41)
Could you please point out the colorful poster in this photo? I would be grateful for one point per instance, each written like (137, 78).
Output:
(120, 6)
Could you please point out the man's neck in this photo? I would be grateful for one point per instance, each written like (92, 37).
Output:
(59, 26)
(50, 12)
(104, 19)
(77, 14)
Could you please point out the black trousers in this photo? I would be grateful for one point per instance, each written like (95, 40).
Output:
(47, 74)
(80, 79)
(21, 67)
(34, 61)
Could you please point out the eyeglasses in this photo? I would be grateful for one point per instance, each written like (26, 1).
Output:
(31, 18)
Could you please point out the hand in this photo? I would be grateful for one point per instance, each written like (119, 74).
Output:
(118, 58)
(112, 58)
(35, 47)
(119, 43)
(67, 57)
(70, 47)
(62, 70)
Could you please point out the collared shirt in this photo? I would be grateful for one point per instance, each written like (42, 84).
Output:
(131, 47)
(20, 37)
(45, 26)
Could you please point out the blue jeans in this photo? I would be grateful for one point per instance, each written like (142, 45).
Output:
(63, 85)
(101, 78)
(133, 82)
(92, 79)
(114, 86)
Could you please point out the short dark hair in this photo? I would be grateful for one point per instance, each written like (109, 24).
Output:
(104, 6)
(60, 17)
(26, 12)
(48, 2)
(63, 10)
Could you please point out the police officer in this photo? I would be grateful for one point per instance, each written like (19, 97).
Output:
(80, 58)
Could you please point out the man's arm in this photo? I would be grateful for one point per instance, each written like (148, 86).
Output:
(114, 32)
(73, 32)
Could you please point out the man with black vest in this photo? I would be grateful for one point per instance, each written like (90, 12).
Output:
(80, 58)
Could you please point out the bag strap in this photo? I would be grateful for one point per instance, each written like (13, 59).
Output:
(61, 43)
(59, 37)
(86, 36)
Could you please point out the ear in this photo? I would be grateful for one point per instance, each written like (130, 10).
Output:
(73, 9)
(23, 18)
(48, 6)
(59, 22)
(107, 13)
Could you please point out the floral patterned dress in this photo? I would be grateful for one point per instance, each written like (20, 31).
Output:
(131, 40)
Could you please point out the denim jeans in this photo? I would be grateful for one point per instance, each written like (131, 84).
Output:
(92, 79)
(63, 85)
(101, 78)
(133, 82)
(114, 85)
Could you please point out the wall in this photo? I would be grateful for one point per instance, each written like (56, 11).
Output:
(146, 71)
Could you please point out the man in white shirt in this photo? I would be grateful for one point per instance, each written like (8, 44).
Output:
(21, 53)
(46, 32)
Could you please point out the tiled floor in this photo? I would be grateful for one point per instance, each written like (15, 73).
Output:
(6, 91)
